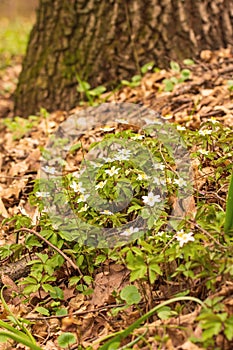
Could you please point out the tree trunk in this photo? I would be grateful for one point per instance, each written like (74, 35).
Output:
(105, 41)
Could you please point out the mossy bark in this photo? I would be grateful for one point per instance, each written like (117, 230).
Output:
(105, 41)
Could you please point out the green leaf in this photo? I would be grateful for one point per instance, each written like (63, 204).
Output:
(42, 257)
(66, 339)
(75, 147)
(228, 328)
(42, 310)
(164, 312)
(62, 312)
(131, 295)
(3, 338)
(83, 86)
(169, 86)
(185, 74)
(74, 280)
(175, 66)
(31, 289)
(148, 66)
(188, 62)
(97, 91)
(228, 226)
(57, 293)
(230, 85)
(213, 329)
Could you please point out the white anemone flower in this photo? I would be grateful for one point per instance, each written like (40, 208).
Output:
(183, 237)
(129, 231)
(112, 171)
(151, 199)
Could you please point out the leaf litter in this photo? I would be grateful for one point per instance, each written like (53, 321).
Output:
(204, 95)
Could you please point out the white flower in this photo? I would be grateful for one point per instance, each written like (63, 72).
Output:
(77, 187)
(108, 159)
(42, 194)
(183, 237)
(138, 137)
(213, 120)
(180, 128)
(158, 166)
(84, 208)
(49, 169)
(123, 154)
(203, 151)
(142, 177)
(151, 199)
(112, 171)
(129, 231)
(205, 132)
(107, 128)
(101, 184)
(83, 198)
(158, 181)
(180, 182)
(106, 212)
(162, 234)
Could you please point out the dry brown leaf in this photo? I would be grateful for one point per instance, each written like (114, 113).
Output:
(106, 283)
(3, 211)
(188, 345)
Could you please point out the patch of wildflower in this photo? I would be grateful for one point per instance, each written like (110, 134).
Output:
(158, 166)
(129, 231)
(123, 154)
(138, 137)
(180, 128)
(183, 237)
(142, 177)
(106, 212)
(180, 182)
(203, 152)
(205, 132)
(100, 185)
(82, 198)
(77, 187)
(151, 199)
(159, 181)
(84, 208)
(42, 194)
(113, 171)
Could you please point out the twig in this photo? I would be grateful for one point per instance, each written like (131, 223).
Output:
(77, 313)
(52, 246)
(207, 233)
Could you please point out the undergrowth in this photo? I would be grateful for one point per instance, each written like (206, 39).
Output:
(191, 251)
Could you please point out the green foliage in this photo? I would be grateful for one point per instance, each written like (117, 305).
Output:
(13, 39)
(19, 127)
(214, 320)
(18, 332)
(130, 294)
(228, 226)
(189, 250)
(66, 339)
(117, 337)
(92, 95)
(180, 76)
(230, 85)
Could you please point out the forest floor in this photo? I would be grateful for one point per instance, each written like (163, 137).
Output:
(92, 305)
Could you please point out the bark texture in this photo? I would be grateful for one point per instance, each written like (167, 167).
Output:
(105, 41)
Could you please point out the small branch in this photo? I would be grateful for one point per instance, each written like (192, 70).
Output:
(52, 246)
(75, 313)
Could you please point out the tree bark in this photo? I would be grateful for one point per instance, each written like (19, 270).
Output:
(105, 41)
